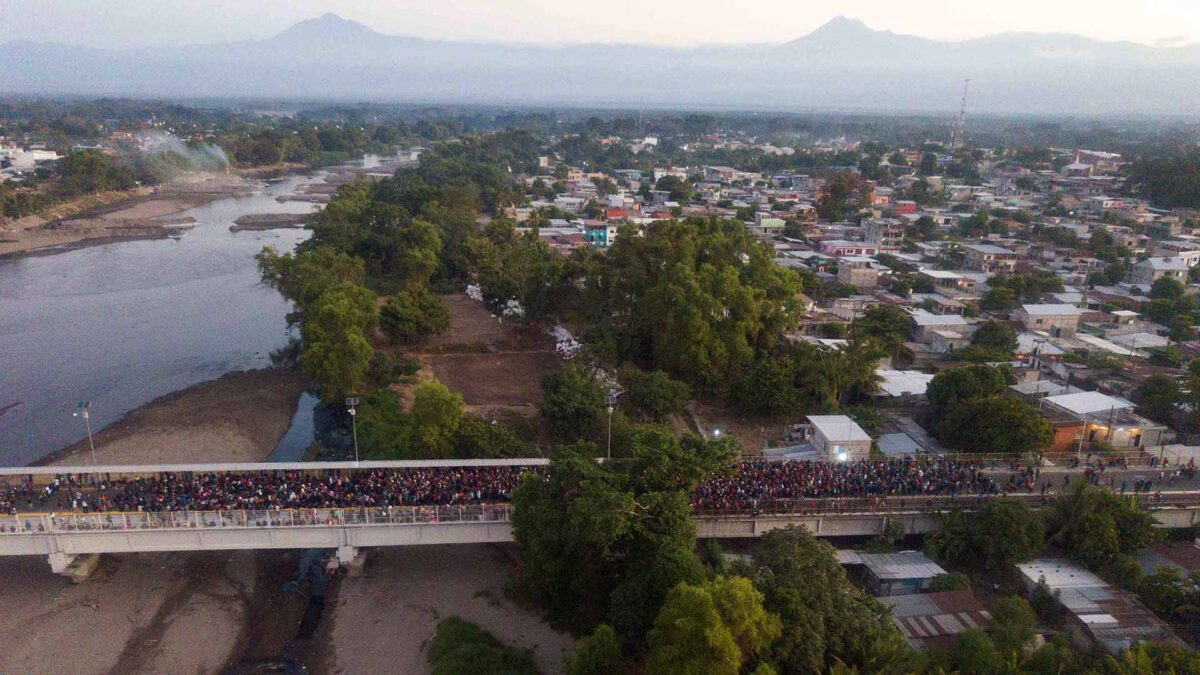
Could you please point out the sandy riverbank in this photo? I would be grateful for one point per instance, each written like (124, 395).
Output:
(163, 612)
(384, 619)
(143, 213)
(237, 418)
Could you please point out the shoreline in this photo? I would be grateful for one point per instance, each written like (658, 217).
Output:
(139, 214)
(240, 416)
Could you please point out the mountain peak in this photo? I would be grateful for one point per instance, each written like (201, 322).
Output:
(842, 26)
(327, 27)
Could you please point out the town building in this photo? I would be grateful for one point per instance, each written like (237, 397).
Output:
(989, 258)
(1147, 271)
(889, 574)
(1058, 320)
(858, 271)
(886, 234)
(1097, 613)
(838, 438)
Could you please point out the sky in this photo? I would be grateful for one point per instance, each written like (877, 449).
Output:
(129, 23)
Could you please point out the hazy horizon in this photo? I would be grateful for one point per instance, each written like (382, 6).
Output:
(135, 23)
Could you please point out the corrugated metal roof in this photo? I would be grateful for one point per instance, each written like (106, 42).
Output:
(930, 618)
(1088, 402)
(903, 565)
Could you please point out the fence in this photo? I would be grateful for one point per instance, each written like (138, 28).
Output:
(171, 520)
(50, 523)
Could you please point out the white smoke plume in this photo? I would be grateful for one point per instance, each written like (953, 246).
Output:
(199, 156)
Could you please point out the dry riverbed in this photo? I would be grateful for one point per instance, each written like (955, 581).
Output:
(144, 213)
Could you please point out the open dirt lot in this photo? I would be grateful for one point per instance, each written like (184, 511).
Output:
(472, 327)
(384, 619)
(500, 380)
(237, 418)
(494, 365)
(749, 430)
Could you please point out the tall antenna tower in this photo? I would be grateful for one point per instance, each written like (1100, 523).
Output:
(958, 127)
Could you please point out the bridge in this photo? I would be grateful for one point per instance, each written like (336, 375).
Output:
(65, 537)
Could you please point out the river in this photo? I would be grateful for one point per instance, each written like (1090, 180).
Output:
(124, 323)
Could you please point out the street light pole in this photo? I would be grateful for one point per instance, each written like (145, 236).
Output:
(610, 400)
(87, 420)
(350, 404)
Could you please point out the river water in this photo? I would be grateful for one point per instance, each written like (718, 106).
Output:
(125, 323)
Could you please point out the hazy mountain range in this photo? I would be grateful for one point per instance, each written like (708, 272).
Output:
(842, 65)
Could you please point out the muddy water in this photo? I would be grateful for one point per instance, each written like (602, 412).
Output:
(124, 323)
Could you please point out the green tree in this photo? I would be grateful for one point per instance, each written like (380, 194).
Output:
(302, 277)
(697, 299)
(1170, 594)
(958, 385)
(999, 299)
(478, 438)
(572, 402)
(336, 352)
(976, 654)
(950, 581)
(384, 429)
(462, 648)
(689, 638)
(698, 625)
(740, 606)
(1000, 534)
(1097, 527)
(436, 414)
(1013, 625)
(410, 316)
(883, 326)
(769, 388)
(608, 541)
(1157, 398)
(1166, 288)
(995, 335)
(996, 424)
(824, 618)
(598, 654)
(654, 393)
(929, 165)
(678, 188)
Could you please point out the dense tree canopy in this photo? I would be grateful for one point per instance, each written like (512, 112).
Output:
(695, 298)
(606, 542)
(1000, 534)
(825, 620)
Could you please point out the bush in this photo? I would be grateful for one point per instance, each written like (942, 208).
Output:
(654, 393)
(598, 654)
(477, 438)
(462, 648)
(384, 429)
(572, 402)
(1013, 624)
(410, 316)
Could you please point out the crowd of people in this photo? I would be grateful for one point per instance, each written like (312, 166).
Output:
(267, 490)
(760, 483)
(752, 484)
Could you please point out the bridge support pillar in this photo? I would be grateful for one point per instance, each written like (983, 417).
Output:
(347, 555)
(60, 561)
(75, 567)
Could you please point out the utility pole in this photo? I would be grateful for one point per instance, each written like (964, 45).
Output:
(610, 400)
(350, 408)
(83, 410)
